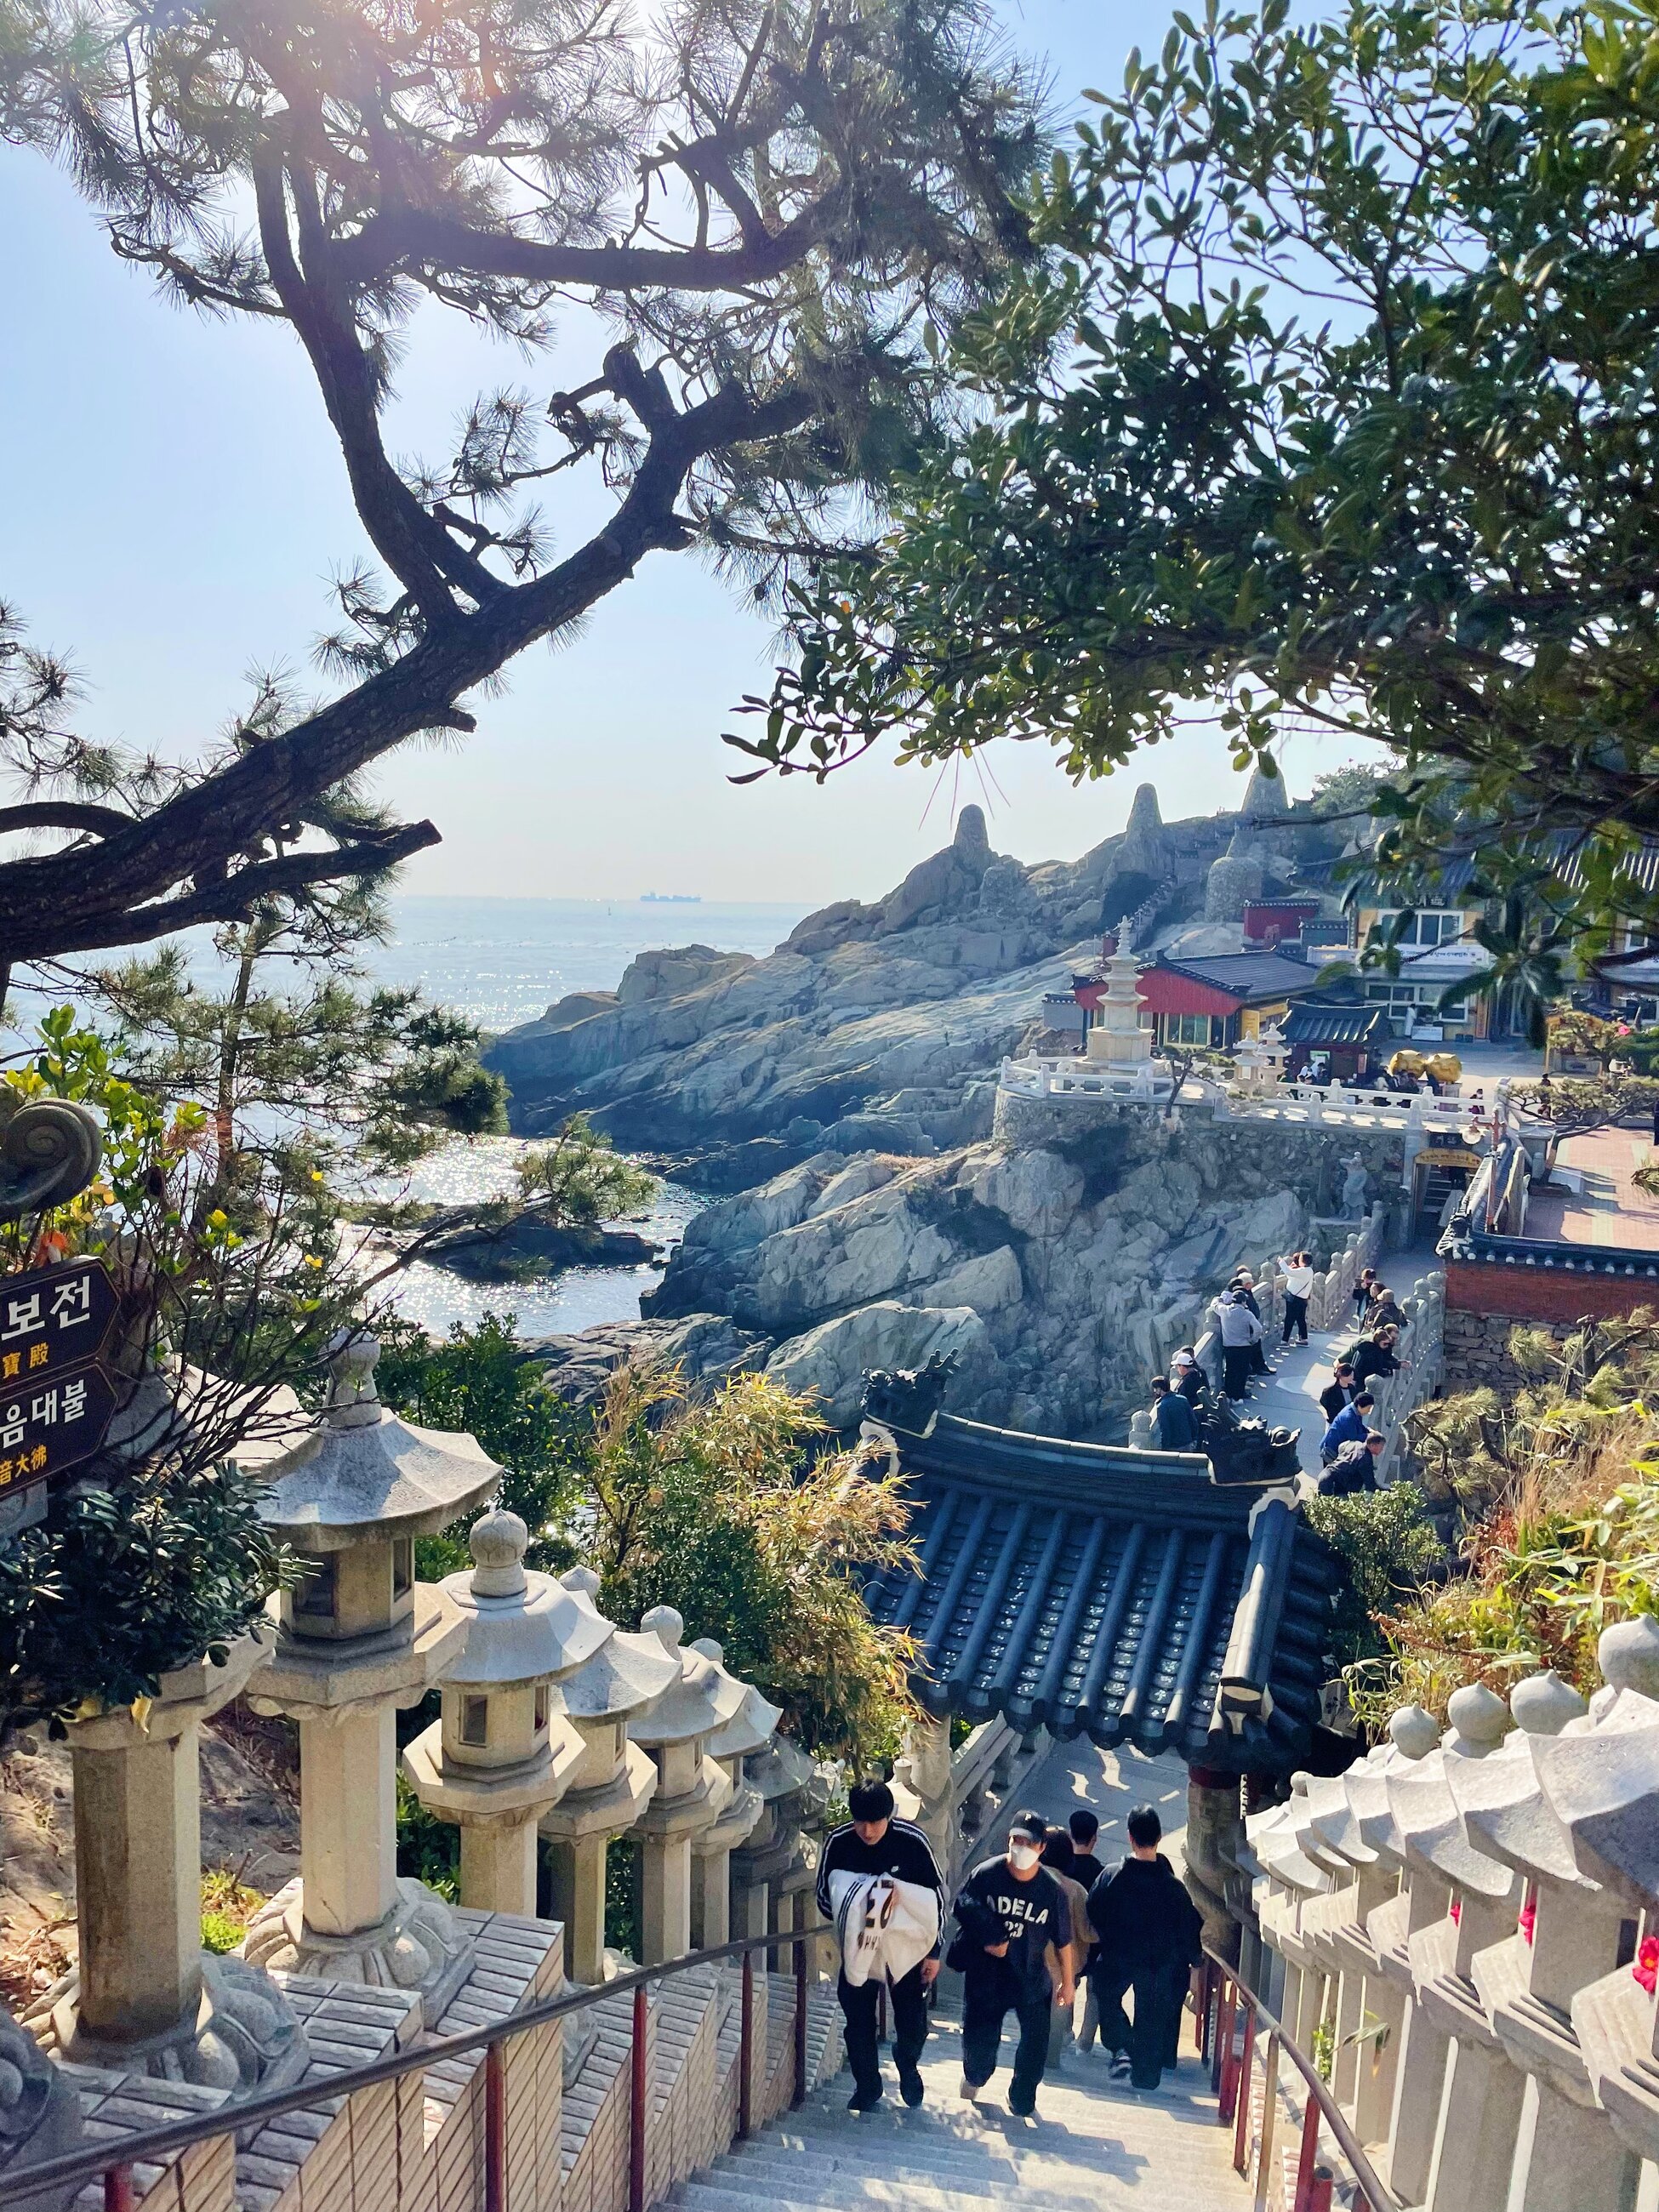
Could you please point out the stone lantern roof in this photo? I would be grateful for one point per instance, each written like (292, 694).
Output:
(752, 1723)
(361, 1471)
(703, 1699)
(521, 1627)
(782, 1770)
(625, 1673)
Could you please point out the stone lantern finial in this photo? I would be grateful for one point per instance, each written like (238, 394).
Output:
(1414, 1733)
(666, 1625)
(1544, 1703)
(498, 1540)
(1479, 1721)
(1628, 1654)
(353, 1399)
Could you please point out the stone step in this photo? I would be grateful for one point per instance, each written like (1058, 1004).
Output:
(732, 2193)
(842, 2181)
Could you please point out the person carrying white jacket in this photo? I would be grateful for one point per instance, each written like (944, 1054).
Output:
(880, 1884)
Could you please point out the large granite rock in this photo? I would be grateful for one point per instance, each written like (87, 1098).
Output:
(876, 1026)
(1082, 1262)
(832, 1360)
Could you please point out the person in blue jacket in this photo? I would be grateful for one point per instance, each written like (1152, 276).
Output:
(1174, 1428)
(1350, 1426)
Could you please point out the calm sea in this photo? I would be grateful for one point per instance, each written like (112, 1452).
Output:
(502, 961)
(505, 961)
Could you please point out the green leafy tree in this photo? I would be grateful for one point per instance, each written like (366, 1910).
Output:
(580, 1180)
(726, 1508)
(482, 1380)
(1328, 401)
(753, 221)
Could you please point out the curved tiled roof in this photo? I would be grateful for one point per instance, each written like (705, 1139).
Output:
(1120, 1594)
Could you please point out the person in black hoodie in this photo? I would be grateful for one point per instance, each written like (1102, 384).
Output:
(874, 1842)
(1149, 1930)
(1013, 1954)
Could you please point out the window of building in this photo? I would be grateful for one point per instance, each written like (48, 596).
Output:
(1187, 1029)
(1435, 926)
(474, 1721)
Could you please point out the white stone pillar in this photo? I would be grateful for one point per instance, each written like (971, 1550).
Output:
(498, 1866)
(579, 1890)
(138, 1879)
(348, 1817)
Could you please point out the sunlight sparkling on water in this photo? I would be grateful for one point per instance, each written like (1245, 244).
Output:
(552, 1305)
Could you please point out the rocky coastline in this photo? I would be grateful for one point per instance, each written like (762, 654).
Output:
(839, 1098)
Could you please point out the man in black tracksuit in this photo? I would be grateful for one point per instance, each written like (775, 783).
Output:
(1149, 1932)
(874, 1842)
(1015, 1953)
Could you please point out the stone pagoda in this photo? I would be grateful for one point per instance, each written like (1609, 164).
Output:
(504, 1749)
(618, 1687)
(357, 1638)
(749, 1729)
(1116, 1038)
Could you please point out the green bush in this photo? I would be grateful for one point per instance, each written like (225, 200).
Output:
(1387, 1549)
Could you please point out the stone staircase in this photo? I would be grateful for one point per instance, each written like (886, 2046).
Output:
(1094, 2147)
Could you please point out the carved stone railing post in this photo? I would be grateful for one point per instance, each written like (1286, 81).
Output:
(621, 1683)
(1479, 2101)
(503, 1749)
(692, 1790)
(1569, 1936)
(922, 1777)
(1602, 1784)
(748, 1731)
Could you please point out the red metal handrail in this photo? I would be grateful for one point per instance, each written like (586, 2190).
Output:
(1224, 1990)
(112, 2163)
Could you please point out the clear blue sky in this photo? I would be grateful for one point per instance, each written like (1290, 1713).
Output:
(176, 504)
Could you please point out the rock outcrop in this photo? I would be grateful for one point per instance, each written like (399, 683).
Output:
(875, 1025)
(843, 1091)
(1064, 1274)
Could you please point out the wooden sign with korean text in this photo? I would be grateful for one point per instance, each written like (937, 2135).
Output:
(56, 1401)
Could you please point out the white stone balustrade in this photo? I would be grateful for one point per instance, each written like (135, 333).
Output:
(624, 1680)
(693, 1790)
(503, 1749)
(1486, 1897)
(748, 1731)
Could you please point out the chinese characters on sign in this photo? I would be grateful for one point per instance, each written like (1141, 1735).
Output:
(56, 1403)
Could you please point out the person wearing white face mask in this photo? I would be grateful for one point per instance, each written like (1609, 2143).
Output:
(1013, 1953)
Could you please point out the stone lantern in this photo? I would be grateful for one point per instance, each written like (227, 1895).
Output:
(772, 1861)
(504, 1747)
(619, 1685)
(144, 1997)
(358, 1638)
(692, 1790)
(749, 1729)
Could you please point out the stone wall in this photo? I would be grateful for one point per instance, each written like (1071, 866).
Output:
(1249, 1158)
(1478, 1355)
(1484, 1303)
